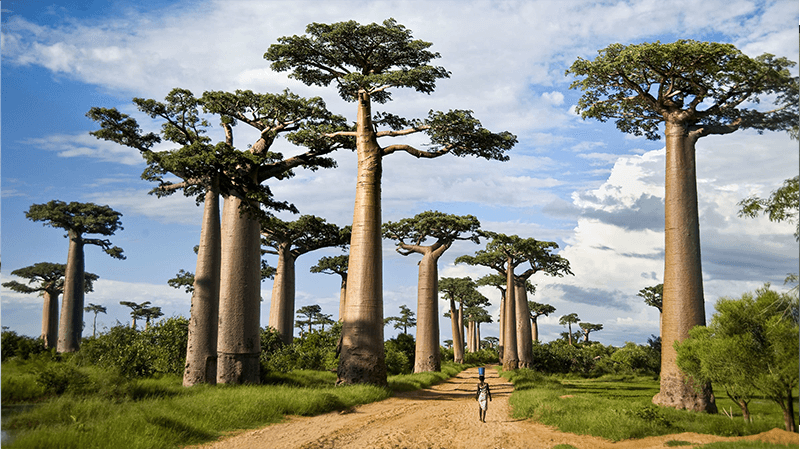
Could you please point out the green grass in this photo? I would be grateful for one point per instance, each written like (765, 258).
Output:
(746, 445)
(620, 407)
(160, 413)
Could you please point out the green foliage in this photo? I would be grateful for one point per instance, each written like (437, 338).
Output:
(639, 85)
(594, 359)
(748, 348)
(443, 228)
(314, 350)
(782, 205)
(653, 296)
(160, 349)
(20, 346)
(485, 356)
(400, 354)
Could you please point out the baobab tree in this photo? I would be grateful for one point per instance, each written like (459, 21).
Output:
(96, 308)
(411, 234)
(504, 253)
(653, 297)
(334, 265)
(310, 313)
(137, 310)
(695, 89)
(588, 328)
(458, 290)
(474, 314)
(47, 279)
(232, 288)
(289, 240)
(538, 310)
(78, 219)
(568, 320)
(366, 62)
(151, 313)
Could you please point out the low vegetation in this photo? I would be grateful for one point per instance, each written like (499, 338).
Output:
(620, 407)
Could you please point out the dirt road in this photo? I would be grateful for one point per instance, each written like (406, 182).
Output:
(442, 417)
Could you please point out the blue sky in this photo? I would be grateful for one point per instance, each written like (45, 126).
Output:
(595, 191)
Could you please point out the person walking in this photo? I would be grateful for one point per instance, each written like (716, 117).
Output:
(483, 395)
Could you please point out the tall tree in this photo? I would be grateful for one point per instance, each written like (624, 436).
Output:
(695, 89)
(588, 328)
(335, 265)
(151, 313)
(498, 281)
(475, 313)
(290, 240)
(568, 320)
(457, 290)
(47, 279)
(96, 308)
(366, 62)
(538, 310)
(411, 234)
(404, 321)
(231, 298)
(504, 253)
(137, 310)
(78, 219)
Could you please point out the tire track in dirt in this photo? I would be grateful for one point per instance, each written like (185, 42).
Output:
(444, 416)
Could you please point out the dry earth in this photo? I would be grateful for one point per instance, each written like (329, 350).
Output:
(443, 417)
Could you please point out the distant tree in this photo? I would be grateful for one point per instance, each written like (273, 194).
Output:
(499, 282)
(749, 349)
(335, 265)
(653, 297)
(411, 234)
(588, 328)
(366, 62)
(78, 219)
(448, 344)
(289, 240)
(695, 89)
(457, 290)
(782, 205)
(491, 341)
(310, 313)
(538, 310)
(404, 321)
(137, 310)
(475, 313)
(48, 280)
(151, 313)
(96, 309)
(568, 320)
(324, 319)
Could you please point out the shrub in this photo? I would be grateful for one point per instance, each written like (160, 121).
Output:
(21, 346)
(400, 354)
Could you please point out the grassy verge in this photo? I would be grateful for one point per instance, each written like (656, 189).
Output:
(160, 413)
(620, 408)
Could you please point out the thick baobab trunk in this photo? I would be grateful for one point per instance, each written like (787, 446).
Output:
(362, 359)
(50, 319)
(239, 342)
(510, 354)
(458, 342)
(683, 306)
(523, 313)
(201, 348)
(71, 323)
(342, 297)
(534, 328)
(426, 356)
(501, 337)
(470, 335)
(281, 310)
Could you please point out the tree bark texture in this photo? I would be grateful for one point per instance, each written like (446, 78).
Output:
(50, 319)
(71, 323)
(201, 348)
(281, 311)
(239, 342)
(535, 329)
(426, 356)
(342, 297)
(683, 304)
(524, 342)
(502, 334)
(510, 354)
(362, 359)
(458, 342)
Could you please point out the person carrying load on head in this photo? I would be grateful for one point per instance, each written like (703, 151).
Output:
(484, 395)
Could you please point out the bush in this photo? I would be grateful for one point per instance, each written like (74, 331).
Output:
(21, 346)
(160, 349)
(400, 354)
(315, 350)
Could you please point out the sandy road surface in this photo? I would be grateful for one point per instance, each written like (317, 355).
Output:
(442, 417)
